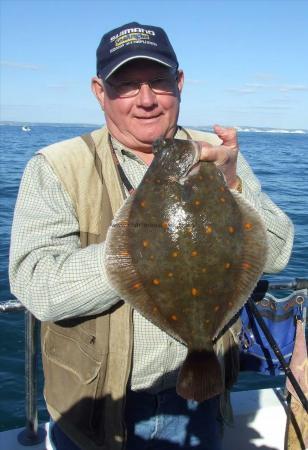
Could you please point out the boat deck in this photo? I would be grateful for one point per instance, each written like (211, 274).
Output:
(259, 422)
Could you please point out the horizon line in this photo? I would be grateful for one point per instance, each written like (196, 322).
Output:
(84, 124)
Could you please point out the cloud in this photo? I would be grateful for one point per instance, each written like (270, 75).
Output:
(251, 88)
(264, 76)
(6, 106)
(242, 91)
(16, 65)
(59, 86)
(278, 100)
(293, 88)
(269, 107)
(256, 85)
(274, 109)
(192, 81)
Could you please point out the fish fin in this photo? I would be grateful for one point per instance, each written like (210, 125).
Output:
(117, 258)
(121, 271)
(254, 254)
(200, 376)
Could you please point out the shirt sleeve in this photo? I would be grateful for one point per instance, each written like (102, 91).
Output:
(279, 227)
(49, 271)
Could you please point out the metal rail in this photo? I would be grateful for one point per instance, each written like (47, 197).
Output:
(11, 306)
(32, 434)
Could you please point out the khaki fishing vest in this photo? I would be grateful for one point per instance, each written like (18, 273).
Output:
(87, 360)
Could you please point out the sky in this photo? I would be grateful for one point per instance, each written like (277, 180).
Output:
(245, 62)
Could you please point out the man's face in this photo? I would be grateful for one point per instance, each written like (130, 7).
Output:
(138, 120)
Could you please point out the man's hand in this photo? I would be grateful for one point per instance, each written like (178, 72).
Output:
(224, 155)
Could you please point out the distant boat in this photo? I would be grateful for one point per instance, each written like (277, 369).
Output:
(26, 128)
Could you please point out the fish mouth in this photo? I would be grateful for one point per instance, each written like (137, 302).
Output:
(193, 170)
(195, 165)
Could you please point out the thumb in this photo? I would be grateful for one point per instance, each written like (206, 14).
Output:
(227, 135)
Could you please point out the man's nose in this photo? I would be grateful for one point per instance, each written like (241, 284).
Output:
(146, 96)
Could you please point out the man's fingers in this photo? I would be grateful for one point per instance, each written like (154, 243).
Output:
(218, 154)
(224, 157)
(208, 152)
(227, 135)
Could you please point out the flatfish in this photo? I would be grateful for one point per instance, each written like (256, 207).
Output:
(186, 252)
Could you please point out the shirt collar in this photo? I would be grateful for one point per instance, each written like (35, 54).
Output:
(122, 151)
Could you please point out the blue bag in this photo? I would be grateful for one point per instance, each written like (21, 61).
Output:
(280, 317)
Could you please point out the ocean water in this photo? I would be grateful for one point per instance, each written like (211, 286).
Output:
(280, 160)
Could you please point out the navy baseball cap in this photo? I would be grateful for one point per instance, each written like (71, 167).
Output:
(132, 41)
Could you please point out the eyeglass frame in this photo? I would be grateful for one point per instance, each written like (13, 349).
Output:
(174, 74)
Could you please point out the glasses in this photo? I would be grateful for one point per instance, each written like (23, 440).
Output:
(163, 85)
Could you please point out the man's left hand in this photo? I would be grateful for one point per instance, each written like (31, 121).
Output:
(224, 155)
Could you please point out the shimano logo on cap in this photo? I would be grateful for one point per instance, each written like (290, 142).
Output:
(132, 30)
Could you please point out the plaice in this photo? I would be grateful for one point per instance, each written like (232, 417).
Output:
(186, 252)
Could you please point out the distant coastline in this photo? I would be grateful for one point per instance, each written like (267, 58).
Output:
(48, 124)
(240, 129)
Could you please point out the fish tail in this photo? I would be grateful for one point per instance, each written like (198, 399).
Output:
(200, 377)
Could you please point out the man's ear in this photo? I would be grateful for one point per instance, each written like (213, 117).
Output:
(180, 80)
(98, 90)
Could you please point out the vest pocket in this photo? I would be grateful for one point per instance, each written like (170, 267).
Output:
(68, 354)
(73, 379)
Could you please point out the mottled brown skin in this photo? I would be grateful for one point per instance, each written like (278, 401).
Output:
(183, 249)
(186, 253)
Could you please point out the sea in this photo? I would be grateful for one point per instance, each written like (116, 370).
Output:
(278, 157)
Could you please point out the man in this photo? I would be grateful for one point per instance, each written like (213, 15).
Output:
(110, 374)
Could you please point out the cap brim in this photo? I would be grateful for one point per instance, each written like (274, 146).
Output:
(120, 64)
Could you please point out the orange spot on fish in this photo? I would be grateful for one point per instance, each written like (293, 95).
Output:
(165, 225)
(197, 202)
(216, 308)
(137, 285)
(230, 304)
(208, 229)
(204, 269)
(142, 203)
(227, 265)
(200, 177)
(170, 274)
(145, 244)
(222, 199)
(156, 281)
(248, 226)
(124, 253)
(154, 310)
(174, 254)
(194, 253)
(189, 230)
(222, 189)
(246, 265)
(174, 317)
(194, 292)
(231, 230)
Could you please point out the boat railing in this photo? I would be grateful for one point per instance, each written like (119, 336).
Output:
(32, 433)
